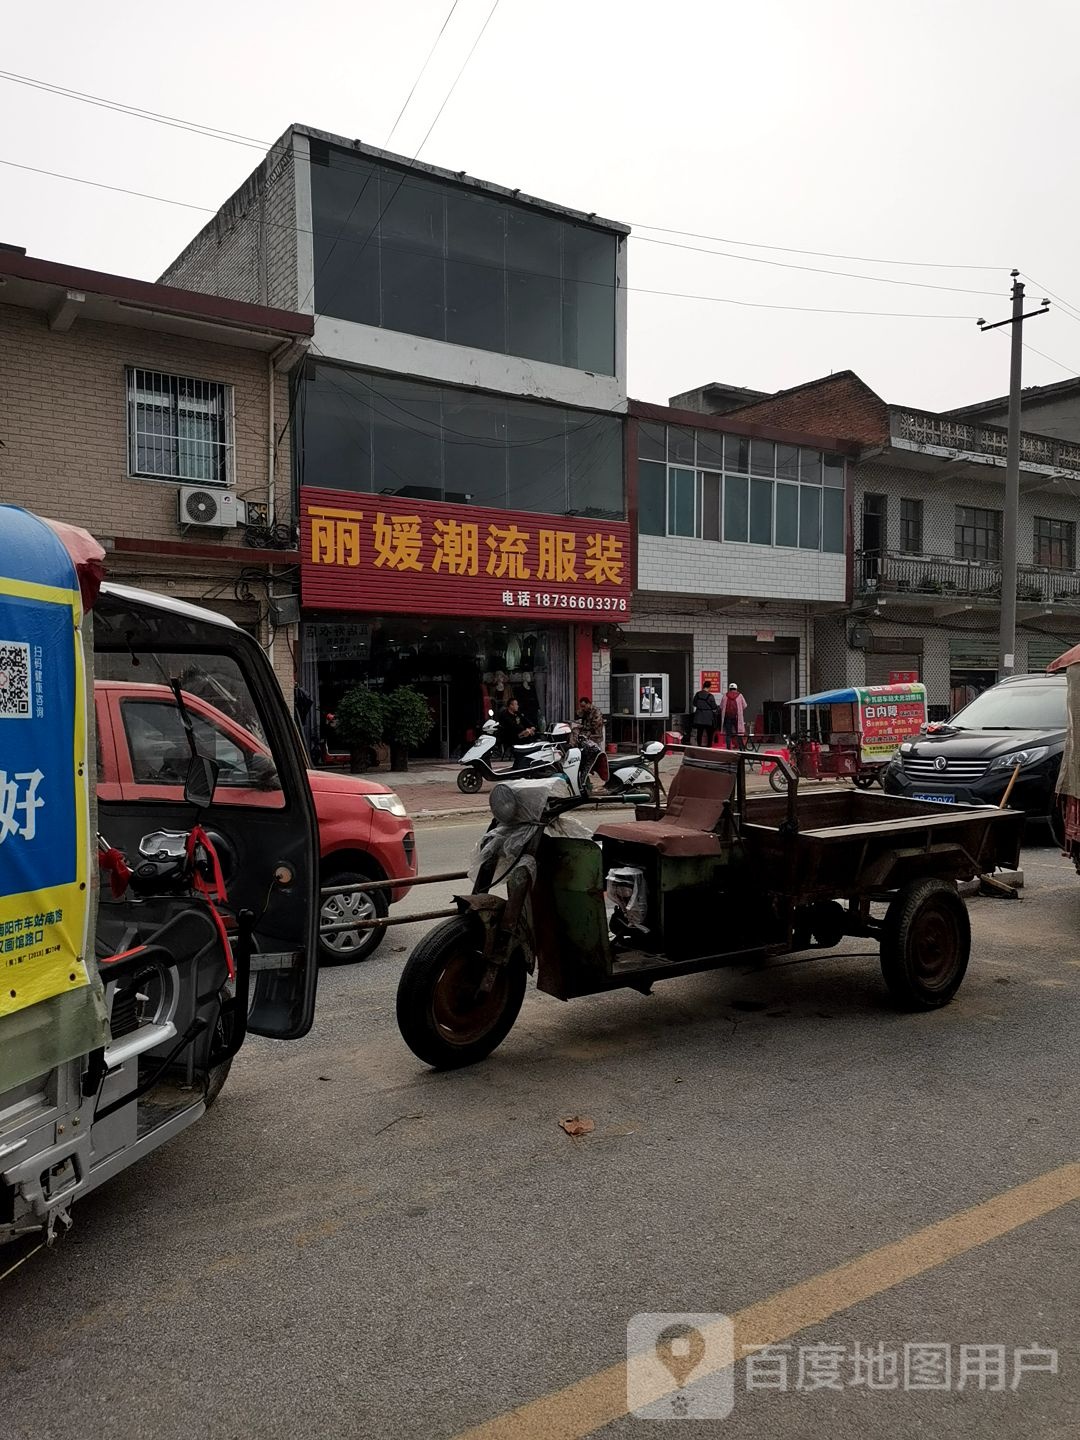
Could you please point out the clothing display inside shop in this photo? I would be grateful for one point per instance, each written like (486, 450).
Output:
(465, 667)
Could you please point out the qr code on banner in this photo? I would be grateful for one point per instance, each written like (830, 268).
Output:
(14, 680)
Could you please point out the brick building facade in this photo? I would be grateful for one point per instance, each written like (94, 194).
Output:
(116, 394)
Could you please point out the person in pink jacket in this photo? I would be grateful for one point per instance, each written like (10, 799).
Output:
(733, 718)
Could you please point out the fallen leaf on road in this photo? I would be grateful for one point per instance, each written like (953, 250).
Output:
(578, 1125)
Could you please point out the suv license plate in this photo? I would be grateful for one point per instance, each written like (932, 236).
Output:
(938, 799)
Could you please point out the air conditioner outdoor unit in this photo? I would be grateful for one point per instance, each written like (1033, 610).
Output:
(201, 505)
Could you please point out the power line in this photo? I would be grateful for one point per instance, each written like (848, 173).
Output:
(820, 254)
(427, 135)
(1069, 306)
(209, 131)
(640, 290)
(231, 137)
(813, 269)
(423, 68)
(805, 309)
(100, 185)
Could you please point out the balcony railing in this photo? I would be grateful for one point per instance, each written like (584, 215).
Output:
(919, 429)
(967, 580)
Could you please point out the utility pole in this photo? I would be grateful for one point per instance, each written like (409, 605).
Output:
(1007, 638)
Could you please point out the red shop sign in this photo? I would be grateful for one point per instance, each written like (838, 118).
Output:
(386, 553)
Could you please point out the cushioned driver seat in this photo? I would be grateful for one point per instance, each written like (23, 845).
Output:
(695, 808)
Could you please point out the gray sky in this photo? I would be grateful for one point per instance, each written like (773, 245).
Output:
(934, 130)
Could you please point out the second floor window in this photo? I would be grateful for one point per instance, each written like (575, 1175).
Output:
(707, 486)
(1055, 543)
(179, 428)
(911, 527)
(978, 533)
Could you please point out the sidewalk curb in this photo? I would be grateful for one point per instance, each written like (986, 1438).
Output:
(419, 817)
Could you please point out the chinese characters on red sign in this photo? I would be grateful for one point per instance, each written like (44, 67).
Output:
(890, 715)
(384, 553)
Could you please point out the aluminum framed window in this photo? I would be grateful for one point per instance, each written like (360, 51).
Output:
(179, 428)
(756, 492)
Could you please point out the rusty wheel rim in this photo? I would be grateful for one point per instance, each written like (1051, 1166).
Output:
(934, 947)
(463, 1015)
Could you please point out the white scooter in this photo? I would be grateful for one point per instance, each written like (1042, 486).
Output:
(625, 772)
(533, 760)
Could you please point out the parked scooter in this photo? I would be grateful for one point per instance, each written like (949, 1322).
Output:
(534, 759)
(625, 772)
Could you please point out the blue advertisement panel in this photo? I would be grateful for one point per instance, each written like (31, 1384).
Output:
(44, 796)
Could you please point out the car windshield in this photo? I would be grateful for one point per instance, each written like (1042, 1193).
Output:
(1038, 706)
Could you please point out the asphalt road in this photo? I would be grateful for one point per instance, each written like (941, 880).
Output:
(351, 1245)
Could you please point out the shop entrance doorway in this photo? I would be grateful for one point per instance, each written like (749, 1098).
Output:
(767, 673)
(463, 667)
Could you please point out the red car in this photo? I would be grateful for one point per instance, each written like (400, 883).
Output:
(364, 830)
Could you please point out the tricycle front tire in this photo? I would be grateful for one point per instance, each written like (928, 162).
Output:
(439, 1014)
(778, 780)
(925, 944)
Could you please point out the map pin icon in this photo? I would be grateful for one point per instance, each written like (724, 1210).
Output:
(680, 1349)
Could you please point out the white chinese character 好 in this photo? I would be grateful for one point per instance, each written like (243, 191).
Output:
(16, 802)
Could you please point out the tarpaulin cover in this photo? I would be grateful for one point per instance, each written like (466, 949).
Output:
(1071, 657)
(44, 781)
(87, 556)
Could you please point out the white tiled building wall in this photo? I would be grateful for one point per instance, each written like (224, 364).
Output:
(711, 629)
(708, 567)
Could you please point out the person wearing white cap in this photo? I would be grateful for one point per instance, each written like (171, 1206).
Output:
(733, 718)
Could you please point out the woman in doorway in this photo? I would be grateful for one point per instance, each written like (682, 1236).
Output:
(733, 718)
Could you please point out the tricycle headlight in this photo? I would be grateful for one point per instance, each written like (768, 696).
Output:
(1020, 757)
(388, 802)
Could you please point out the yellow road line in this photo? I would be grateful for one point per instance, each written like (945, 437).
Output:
(584, 1407)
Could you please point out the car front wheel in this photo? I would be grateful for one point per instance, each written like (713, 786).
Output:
(345, 947)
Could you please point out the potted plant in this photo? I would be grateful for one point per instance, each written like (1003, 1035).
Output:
(408, 723)
(361, 721)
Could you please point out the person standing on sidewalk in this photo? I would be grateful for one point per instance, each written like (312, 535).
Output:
(704, 716)
(733, 715)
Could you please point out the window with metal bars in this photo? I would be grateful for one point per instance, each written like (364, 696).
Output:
(179, 428)
(978, 533)
(1055, 543)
